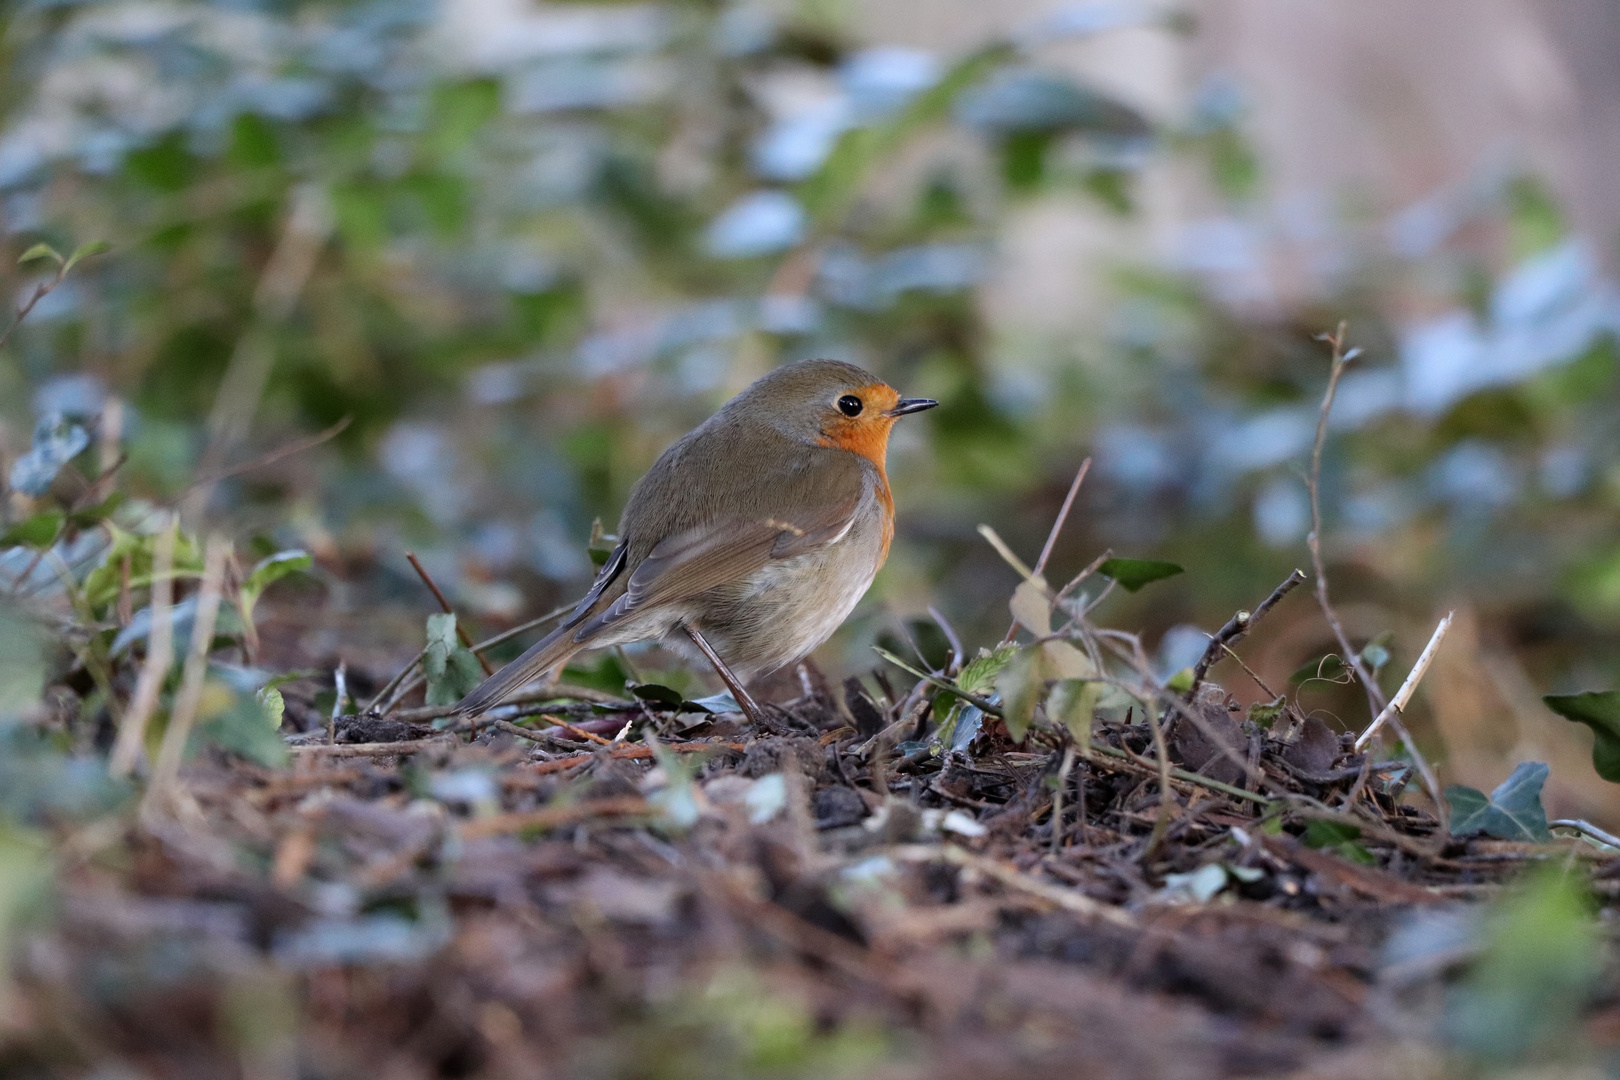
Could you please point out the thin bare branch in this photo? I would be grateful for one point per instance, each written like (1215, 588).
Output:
(444, 605)
(1375, 696)
(1236, 628)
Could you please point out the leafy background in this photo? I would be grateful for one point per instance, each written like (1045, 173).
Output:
(525, 246)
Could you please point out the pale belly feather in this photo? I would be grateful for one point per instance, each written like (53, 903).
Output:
(782, 612)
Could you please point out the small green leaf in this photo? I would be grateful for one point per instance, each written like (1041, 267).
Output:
(1330, 668)
(274, 706)
(1470, 809)
(84, 251)
(451, 669)
(1513, 812)
(1073, 703)
(656, 692)
(979, 674)
(1021, 683)
(1323, 834)
(1132, 574)
(1339, 838)
(273, 568)
(94, 515)
(1030, 608)
(40, 251)
(1375, 654)
(1599, 711)
(1264, 714)
(1181, 681)
(39, 531)
(246, 729)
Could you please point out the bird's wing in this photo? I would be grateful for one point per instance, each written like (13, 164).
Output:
(719, 552)
(551, 650)
(718, 517)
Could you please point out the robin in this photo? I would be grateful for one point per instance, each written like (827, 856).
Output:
(754, 535)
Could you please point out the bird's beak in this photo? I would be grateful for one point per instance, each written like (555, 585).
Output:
(910, 405)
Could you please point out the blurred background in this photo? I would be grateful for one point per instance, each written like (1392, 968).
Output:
(526, 245)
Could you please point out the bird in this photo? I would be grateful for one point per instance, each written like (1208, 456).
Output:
(754, 535)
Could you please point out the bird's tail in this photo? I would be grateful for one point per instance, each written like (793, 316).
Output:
(549, 652)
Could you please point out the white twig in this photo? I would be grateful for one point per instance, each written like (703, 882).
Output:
(340, 680)
(1397, 704)
(1584, 826)
(159, 654)
(170, 753)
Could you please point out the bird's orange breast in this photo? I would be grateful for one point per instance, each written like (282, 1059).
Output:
(868, 436)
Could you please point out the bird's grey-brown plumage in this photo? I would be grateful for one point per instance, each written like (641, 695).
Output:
(702, 539)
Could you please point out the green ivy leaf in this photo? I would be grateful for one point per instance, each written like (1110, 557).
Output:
(246, 728)
(273, 568)
(1132, 574)
(39, 531)
(451, 669)
(1339, 838)
(657, 693)
(91, 516)
(1021, 683)
(1264, 714)
(1600, 711)
(1513, 811)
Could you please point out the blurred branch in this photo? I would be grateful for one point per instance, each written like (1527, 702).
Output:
(444, 605)
(159, 653)
(288, 270)
(167, 768)
(1375, 696)
(271, 457)
(44, 288)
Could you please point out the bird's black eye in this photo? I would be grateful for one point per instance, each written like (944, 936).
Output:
(850, 405)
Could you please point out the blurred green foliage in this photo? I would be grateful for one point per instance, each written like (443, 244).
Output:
(1542, 961)
(523, 249)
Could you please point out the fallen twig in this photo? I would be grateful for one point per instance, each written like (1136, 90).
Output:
(550, 817)
(372, 749)
(1397, 704)
(1069, 900)
(1583, 826)
(630, 752)
(1236, 628)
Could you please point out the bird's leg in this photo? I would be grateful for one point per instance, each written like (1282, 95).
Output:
(745, 700)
